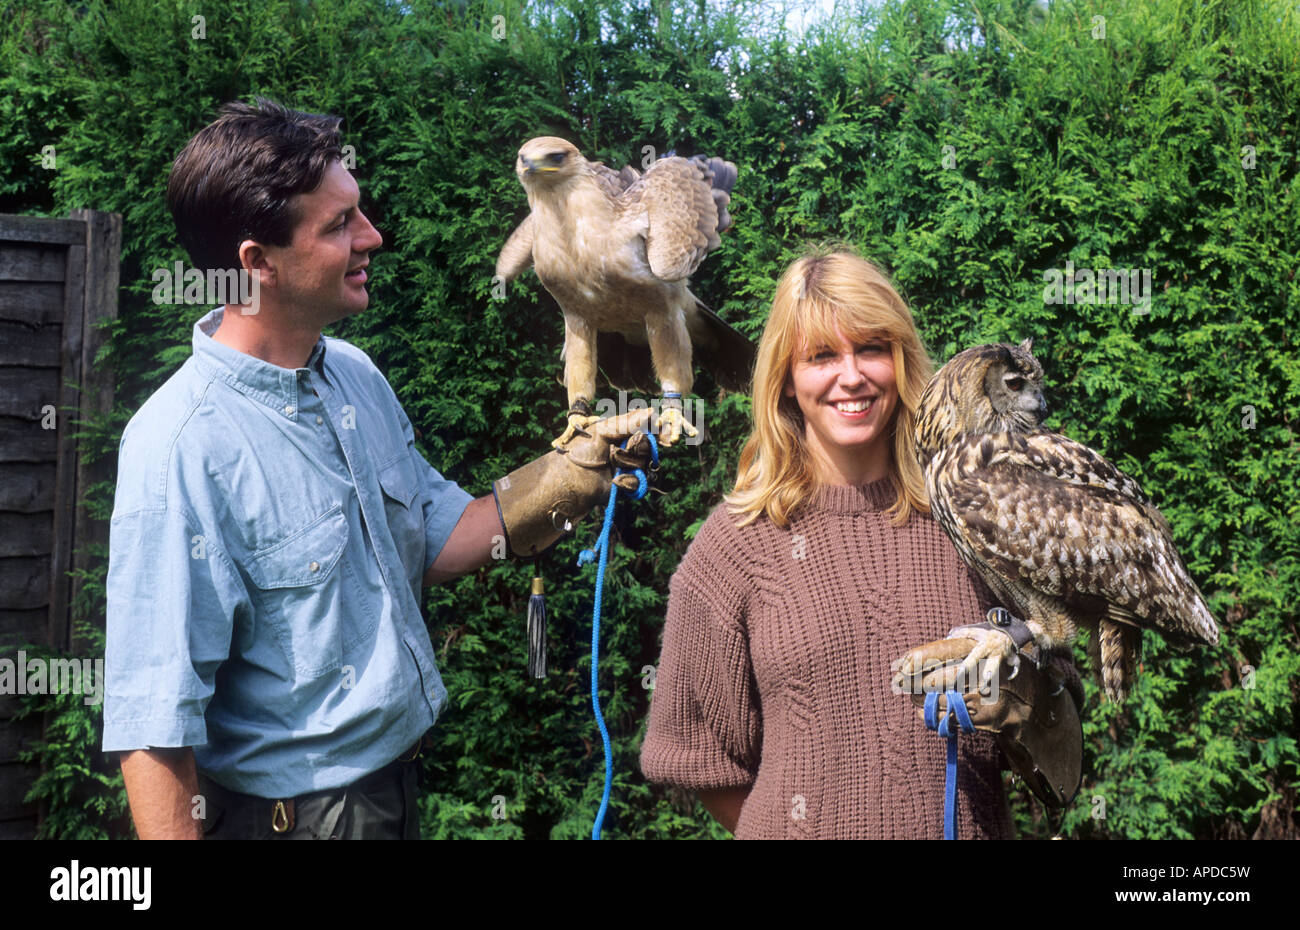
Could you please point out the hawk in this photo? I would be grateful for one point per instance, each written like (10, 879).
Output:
(1062, 537)
(615, 250)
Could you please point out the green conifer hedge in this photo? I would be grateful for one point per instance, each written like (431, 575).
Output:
(973, 149)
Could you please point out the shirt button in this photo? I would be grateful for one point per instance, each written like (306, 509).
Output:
(314, 566)
(288, 411)
(319, 421)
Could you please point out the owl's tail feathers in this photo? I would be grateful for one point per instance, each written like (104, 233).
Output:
(722, 177)
(1119, 648)
(722, 350)
(1202, 621)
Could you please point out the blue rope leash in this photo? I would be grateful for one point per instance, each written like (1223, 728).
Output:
(957, 707)
(602, 547)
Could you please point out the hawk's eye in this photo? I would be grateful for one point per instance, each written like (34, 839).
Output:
(556, 158)
(1014, 382)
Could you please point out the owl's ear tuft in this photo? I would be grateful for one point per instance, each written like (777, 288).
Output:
(1028, 344)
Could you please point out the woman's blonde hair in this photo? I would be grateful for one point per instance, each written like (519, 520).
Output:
(829, 289)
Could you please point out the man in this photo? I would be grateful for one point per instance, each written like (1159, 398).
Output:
(269, 672)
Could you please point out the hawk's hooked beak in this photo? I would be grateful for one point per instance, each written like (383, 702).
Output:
(533, 167)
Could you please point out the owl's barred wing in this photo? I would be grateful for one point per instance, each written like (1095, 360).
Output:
(682, 211)
(517, 254)
(1043, 510)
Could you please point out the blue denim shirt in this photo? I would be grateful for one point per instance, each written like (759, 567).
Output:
(269, 538)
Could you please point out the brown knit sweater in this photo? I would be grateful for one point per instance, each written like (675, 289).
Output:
(775, 673)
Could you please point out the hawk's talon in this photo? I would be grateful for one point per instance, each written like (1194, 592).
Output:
(578, 424)
(674, 421)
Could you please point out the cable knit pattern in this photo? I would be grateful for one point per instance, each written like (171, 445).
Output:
(775, 673)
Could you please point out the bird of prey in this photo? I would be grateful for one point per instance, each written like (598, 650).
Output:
(1061, 536)
(615, 250)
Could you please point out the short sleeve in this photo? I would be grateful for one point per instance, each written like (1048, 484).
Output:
(705, 726)
(443, 500)
(172, 598)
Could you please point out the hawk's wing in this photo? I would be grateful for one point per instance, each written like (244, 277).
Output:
(614, 182)
(1046, 511)
(517, 254)
(681, 210)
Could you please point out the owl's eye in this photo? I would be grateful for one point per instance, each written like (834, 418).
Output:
(1014, 382)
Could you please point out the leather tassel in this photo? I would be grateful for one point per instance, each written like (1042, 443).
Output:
(537, 630)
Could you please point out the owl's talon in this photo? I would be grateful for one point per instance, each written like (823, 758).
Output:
(992, 647)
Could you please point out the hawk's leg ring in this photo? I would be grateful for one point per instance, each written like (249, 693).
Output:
(673, 419)
(580, 417)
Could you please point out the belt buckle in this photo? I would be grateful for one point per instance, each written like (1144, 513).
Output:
(413, 753)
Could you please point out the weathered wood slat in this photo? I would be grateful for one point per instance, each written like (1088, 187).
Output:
(65, 474)
(24, 828)
(26, 534)
(21, 627)
(33, 263)
(103, 261)
(26, 488)
(32, 346)
(25, 391)
(32, 303)
(24, 583)
(15, 781)
(23, 441)
(17, 735)
(42, 229)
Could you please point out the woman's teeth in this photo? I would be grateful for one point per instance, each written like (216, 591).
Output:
(856, 406)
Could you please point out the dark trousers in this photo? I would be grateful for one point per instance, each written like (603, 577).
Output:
(380, 806)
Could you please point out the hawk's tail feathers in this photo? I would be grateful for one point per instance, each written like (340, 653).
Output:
(721, 349)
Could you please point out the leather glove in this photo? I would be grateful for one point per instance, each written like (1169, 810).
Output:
(1034, 714)
(541, 501)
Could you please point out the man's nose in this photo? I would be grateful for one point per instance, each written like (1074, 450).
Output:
(371, 238)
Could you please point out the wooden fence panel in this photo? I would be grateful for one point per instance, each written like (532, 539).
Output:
(58, 284)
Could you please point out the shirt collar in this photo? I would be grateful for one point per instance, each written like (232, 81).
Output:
(276, 387)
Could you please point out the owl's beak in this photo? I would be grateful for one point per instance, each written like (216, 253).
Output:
(1042, 408)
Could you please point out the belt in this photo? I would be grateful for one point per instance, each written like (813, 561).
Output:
(280, 812)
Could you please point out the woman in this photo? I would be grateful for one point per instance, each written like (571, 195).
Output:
(822, 566)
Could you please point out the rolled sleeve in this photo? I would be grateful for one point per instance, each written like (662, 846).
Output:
(444, 502)
(172, 598)
(705, 723)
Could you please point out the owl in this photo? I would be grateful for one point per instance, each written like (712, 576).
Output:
(1061, 536)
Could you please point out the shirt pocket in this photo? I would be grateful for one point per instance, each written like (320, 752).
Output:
(301, 593)
(405, 515)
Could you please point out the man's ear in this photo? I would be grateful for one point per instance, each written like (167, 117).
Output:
(255, 260)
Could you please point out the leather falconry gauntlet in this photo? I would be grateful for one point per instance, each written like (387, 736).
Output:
(541, 501)
(1035, 715)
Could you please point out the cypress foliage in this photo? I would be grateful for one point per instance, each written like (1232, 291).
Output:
(969, 148)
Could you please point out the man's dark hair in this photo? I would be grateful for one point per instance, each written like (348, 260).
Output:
(234, 179)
